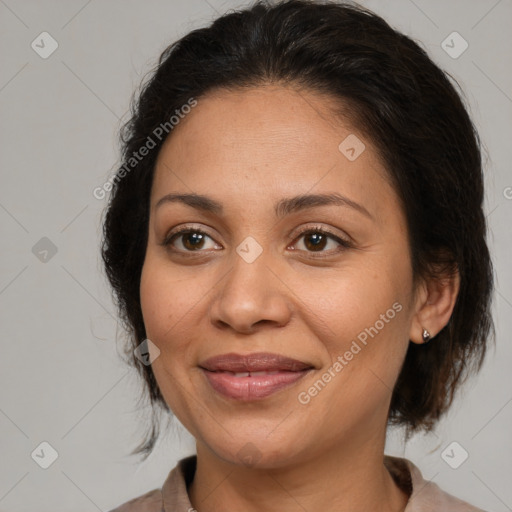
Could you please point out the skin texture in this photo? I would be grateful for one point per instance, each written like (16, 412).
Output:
(248, 150)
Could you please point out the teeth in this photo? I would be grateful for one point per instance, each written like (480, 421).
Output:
(253, 374)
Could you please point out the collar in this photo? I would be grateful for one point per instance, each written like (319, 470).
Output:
(423, 494)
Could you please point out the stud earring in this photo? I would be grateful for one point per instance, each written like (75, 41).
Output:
(425, 336)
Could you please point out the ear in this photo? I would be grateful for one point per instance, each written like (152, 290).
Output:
(435, 301)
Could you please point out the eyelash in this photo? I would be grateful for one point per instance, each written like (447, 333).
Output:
(344, 244)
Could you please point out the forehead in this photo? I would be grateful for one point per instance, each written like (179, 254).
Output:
(269, 141)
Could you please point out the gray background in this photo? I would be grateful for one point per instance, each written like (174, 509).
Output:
(62, 380)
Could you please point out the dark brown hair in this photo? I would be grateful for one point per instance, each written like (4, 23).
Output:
(399, 99)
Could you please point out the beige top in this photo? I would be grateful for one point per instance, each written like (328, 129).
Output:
(424, 496)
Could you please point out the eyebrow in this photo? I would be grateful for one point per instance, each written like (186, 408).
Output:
(282, 208)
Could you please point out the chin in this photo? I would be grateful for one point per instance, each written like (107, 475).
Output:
(255, 452)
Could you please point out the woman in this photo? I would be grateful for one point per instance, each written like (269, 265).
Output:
(297, 245)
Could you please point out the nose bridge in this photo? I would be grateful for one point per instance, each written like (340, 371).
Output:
(250, 268)
(248, 281)
(250, 292)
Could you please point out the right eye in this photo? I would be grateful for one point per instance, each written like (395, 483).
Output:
(191, 240)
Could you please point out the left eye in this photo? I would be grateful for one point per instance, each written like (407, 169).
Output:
(317, 240)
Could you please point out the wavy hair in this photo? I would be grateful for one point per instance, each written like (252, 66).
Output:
(390, 90)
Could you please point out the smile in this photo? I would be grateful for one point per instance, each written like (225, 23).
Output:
(253, 376)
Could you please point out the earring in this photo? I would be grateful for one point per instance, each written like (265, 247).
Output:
(425, 335)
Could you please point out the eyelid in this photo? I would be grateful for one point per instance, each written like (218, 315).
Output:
(345, 242)
(319, 228)
(185, 228)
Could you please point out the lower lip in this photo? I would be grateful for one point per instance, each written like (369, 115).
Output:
(252, 387)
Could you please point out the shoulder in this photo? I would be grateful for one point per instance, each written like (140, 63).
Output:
(173, 494)
(149, 502)
(425, 496)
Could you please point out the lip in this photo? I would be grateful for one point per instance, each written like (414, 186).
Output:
(252, 376)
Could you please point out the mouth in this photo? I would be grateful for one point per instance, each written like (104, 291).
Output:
(252, 376)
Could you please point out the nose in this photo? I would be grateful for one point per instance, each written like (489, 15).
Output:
(251, 295)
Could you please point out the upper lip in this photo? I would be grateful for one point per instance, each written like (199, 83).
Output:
(257, 361)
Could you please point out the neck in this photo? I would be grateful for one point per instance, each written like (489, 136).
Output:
(352, 478)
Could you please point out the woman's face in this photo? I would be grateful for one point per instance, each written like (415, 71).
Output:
(312, 328)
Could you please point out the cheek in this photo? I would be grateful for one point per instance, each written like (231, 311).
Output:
(345, 303)
(163, 304)
(171, 303)
(155, 301)
(165, 301)
(165, 297)
(360, 316)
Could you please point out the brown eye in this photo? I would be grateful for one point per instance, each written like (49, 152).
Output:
(317, 240)
(191, 240)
